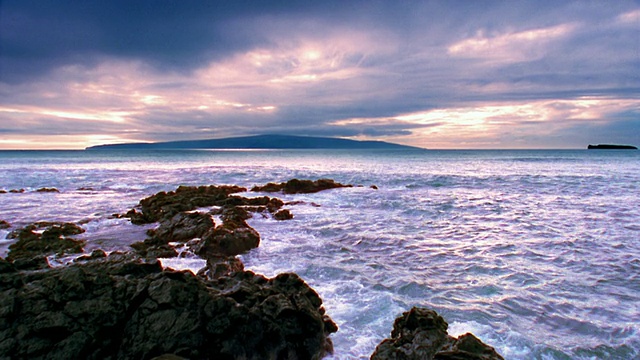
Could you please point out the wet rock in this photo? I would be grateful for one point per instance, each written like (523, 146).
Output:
(95, 254)
(283, 215)
(234, 214)
(16, 191)
(183, 227)
(374, 187)
(45, 189)
(121, 307)
(4, 225)
(422, 334)
(165, 205)
(2, 191)
(37, 240)
(152, 248)
(229, 239)
(296, 186)
(218, 267)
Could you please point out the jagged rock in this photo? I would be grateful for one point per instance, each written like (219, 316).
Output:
(95, 254)
(296, 186)
(283, 215)
(4, 225)
(37, 240)
(120, 307)
(16, 191)
(183, 227)
(234, 214)
(221, 266)
(152, 248)
(165, 205)
(422, 334)
(229, 239)
(45, 189)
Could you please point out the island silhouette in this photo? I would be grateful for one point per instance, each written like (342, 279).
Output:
(267, 141)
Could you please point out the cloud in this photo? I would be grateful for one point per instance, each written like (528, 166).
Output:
(517, 46)
(468, 74)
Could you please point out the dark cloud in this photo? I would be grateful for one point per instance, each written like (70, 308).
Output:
(219, 68)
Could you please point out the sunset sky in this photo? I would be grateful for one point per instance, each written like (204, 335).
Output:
(434, 74)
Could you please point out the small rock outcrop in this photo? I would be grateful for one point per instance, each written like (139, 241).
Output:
(46, 189)
(40, 239)
(122, 307)
(183, 227)
(295, 186)
(4, 225)
(165, 205)
(421, 334)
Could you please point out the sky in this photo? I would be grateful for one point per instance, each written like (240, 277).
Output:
(434, 74)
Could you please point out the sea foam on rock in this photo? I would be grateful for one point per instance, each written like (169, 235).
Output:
(422, 334)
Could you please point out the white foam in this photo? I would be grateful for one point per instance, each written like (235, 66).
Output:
(191, 264)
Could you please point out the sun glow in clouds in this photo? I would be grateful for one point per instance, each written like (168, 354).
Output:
(511, 46)
(475, 126)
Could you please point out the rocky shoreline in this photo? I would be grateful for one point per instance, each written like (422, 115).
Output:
(126, 306)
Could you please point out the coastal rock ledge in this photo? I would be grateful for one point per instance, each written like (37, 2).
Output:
(122, 307)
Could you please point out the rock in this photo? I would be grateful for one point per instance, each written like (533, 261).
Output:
(37, 240)
(95, 254)
(2, 191)
(16, 191)
(121, 307)
(152, 248)
(283, 215)
(44, 189)
(183, 227)
(165, 205)
(4, 225)
(229, 239)
(374, 187)
(422, 334)
(218, 267)
(296, 186)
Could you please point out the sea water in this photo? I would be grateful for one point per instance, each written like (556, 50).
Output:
(535, 252)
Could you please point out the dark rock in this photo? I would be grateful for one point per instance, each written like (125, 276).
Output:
(6, 266)
(283, 215)
(152, 248)
(16, 191)
(4, 225)
(373, 187)
(183, 227)
(422, 334)
(234, 214)
(95, 254)
(45, 189)
(34, 243)
(2, 191)
(165, 205)
(611, 147)
(218, 267)
(120, 307)
(296, 186)
(274, 205)
(229, 239)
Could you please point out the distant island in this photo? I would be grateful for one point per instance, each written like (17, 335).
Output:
(611, 147)
(260, 142)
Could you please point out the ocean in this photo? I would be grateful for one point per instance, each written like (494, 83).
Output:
(535, 252)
